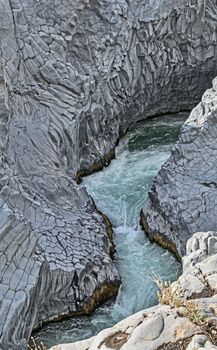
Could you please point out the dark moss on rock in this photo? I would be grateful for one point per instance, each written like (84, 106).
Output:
(155, 237)
(99, 296)
(179, 345)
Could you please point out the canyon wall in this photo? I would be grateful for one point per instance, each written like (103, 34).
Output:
(74, 75)
(183, 197)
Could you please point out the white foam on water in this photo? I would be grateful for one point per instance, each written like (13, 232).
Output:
(120, 191)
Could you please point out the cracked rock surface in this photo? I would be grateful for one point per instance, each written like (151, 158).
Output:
(183, 197)
(74, 75)
(165, 327)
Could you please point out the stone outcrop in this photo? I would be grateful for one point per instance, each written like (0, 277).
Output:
(172, 326)
(54, 244)
(74, 75)
(183, 197)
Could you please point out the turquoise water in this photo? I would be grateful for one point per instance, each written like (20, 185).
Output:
(120, 191)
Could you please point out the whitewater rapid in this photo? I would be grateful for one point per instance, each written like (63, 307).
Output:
(120, 191)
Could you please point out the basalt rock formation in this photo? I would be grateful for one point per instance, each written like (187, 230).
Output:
(183, 197)
(185, 319)
(74, 75)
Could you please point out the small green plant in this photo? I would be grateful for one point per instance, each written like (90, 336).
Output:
(34, 346)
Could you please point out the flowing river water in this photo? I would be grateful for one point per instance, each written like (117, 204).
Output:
(120, 191)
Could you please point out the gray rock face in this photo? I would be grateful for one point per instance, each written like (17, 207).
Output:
(201, 342)
(183, 197)
(199, 277)
(73, 76)
(170, 326)
(54, 249)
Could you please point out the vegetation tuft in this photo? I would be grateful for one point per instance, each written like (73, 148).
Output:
(189, 308)
(34, 346)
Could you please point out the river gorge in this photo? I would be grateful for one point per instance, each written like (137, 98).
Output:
(75, 77)
(120, 191)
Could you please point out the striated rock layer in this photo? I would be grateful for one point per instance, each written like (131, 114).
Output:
(183, 198)
(74, 75)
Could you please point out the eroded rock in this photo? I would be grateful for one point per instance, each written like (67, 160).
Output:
(182, 200)
(189, 324)
(74, 75)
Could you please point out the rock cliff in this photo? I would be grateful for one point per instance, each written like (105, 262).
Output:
(74, 75)
(183, 197)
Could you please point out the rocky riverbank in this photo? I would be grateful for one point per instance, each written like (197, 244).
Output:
(183, 196)
(187, 317)
(74, 75)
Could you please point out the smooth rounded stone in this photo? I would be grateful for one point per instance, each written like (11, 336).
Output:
(197, 342)
(81, 345)
(199, 266)
(212, 321)
(149, 330)
(201, 245)
(125, 326)
(130, 323)
(210, 346)
(212, 281)
(189, 283)
(159, 325)
(210, 267)
(212, 245)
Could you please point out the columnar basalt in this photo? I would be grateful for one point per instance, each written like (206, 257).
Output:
(183, 197)
(54, 246)
(74, 75)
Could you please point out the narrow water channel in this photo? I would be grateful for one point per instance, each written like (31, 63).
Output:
(120, 191)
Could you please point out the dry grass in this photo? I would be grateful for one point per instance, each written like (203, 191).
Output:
(34, 346)
(190, 309)
(193, 313)
(166, 296)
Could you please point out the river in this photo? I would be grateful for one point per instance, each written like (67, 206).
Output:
(120, 191)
